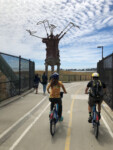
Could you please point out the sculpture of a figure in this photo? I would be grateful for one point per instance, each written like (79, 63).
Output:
(52, 42)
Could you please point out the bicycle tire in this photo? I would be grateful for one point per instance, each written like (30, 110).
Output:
(52, 127)
(96, 130)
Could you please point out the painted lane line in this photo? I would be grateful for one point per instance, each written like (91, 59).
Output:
(21, 119)
(68, 137)
(107, 126)
(27, 129)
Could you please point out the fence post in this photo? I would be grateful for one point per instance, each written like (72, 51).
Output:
(112, 82)
(19, 75)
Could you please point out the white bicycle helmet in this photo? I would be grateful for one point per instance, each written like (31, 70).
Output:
(95, 75)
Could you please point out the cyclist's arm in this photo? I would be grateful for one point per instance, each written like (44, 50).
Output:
(86, 90)
(88, 86)
(48, 88)
(64, 89)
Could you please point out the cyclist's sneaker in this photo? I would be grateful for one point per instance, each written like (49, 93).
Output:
(61, 119)
(90, 119)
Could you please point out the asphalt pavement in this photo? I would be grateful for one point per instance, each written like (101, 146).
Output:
(24, 123)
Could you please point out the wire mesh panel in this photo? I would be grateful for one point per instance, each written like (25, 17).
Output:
(24, 75)
(31, 74)
(9, 76)
(14, 75)
(105, 69)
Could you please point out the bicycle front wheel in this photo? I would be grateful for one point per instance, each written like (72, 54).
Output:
(52, 127)
(96, 130)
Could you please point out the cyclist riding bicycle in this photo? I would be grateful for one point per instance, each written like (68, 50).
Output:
(54, 97)
(97, 90)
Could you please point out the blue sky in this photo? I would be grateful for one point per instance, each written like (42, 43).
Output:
(78, 48)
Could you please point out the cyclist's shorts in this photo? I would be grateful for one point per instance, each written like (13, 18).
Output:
(92, 101)
(55, 100)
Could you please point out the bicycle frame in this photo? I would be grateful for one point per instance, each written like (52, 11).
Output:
(55, 113)
(95, 115)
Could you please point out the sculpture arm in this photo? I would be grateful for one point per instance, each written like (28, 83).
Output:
(62, 36)
(37, 36)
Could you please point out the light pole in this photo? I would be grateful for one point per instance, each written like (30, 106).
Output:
(102, 50)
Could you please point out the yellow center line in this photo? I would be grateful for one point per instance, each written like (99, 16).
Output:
(68, 137)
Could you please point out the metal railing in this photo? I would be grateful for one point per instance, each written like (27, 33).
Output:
(16, 75)
(71, 78)
(105, 69)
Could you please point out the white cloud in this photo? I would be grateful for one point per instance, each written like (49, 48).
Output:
(91, 16)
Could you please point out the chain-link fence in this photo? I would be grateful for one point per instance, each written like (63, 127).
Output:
(105, 69)
(16, 75)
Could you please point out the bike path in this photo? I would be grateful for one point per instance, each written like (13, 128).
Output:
(14, 119)
(39, 135)
(71, 134)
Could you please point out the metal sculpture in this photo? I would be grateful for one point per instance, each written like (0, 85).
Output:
(52, 41)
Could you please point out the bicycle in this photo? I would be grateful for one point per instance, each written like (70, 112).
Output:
(54, 117)
(95, 121)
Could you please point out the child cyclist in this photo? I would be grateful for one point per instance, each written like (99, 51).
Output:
(54, 97)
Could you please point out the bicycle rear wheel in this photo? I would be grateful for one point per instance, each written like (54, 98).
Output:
(52, 127)
(96, 130)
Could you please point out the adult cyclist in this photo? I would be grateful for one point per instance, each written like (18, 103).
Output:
(92, 98)
(54, 92)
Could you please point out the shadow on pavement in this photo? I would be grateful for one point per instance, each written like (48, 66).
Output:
(61, 132)
(104, 138)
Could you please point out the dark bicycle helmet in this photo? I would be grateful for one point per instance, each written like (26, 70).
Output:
(55, 76)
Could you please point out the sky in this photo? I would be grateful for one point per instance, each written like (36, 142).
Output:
(78, 48)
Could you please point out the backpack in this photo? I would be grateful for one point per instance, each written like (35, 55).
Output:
(96, 89)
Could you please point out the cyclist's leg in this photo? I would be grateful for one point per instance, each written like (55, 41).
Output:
(59, 107)
(59, 102)
(99, 107)
(52, 103)
(90, 104)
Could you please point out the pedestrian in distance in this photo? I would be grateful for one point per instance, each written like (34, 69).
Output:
(44, 82)
(36, 83)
